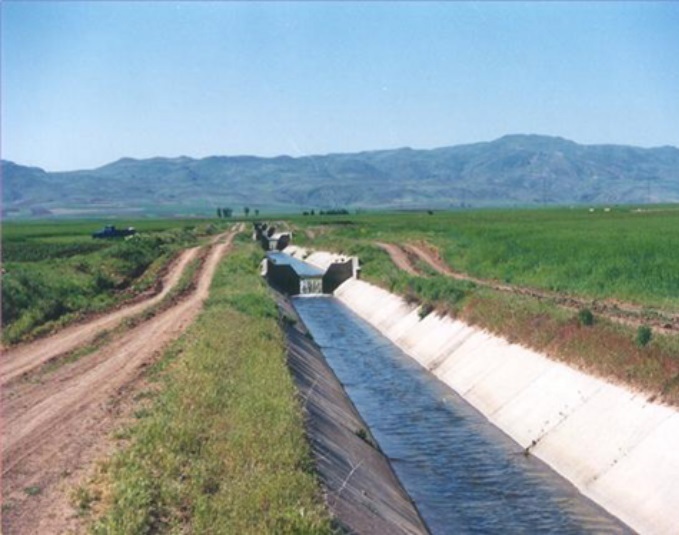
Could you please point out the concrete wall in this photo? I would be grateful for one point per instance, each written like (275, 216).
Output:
(611, 443)
(282, 277)
(338, 268)
(360, 486)
(336, 274)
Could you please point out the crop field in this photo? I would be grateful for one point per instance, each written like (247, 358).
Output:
(601, 261)
(54, 271)
(623, 254)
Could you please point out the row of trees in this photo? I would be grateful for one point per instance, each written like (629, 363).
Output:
(335, 211)
(228, 212)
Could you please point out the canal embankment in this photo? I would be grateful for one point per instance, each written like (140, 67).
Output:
(362, 490)
(617, 447)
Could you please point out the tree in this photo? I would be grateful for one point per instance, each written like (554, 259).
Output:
(219, 213)
(246, 211)
(256, 212)
(227, 212)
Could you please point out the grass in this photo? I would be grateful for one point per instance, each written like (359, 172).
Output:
(621, 255)
(56, 273)
(184, 284)
(221, 448)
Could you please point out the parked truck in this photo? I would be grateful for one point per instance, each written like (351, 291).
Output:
(110, 231)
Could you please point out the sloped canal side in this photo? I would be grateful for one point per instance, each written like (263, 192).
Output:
(361, 488)
(464, 475)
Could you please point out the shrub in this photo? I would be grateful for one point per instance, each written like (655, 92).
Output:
(425, 310)
(585, 317)
(644, 335)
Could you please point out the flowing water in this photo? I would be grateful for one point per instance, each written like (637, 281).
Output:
(311, 286)
(464, 474)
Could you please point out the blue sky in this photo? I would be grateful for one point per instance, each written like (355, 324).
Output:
(85, 83)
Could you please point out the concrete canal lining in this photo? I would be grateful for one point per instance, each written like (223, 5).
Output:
(362, 490)
(615, 446)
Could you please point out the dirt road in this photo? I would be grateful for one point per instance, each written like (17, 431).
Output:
(399, 257)
(22, 359)
(53, 430)
(614, 310)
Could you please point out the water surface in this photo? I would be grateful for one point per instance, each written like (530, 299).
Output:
(464, 474)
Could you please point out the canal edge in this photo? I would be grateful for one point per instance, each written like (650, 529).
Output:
(362, 490)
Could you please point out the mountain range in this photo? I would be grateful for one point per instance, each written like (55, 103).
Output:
(515, 170)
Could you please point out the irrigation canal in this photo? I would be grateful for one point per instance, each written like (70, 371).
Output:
(465, 475)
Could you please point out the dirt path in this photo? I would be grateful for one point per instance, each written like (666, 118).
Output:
(24, 358)
(399, 257)
(54, 429)
(614, 310)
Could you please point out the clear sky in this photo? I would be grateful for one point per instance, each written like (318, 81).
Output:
(85, 83)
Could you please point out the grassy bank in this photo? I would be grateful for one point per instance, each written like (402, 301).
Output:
(220, 448)
(53, 273)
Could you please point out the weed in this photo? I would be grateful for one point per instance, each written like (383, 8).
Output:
(585, 317)
(32, 491)
(643, 336)
(425, 310)
(82, 499)
(288, 320)
(365, 437)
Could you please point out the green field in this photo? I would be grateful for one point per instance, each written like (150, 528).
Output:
(53, 272)
(622, 254)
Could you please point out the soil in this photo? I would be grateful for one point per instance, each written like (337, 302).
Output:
(399, 257)
(23, 359)
(56, 425)
(614, 310)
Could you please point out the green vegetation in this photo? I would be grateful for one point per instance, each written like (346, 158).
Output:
(644, 335)
(624, 254)
(585, 317)
(220, 449)
(32, 491)
(52, 273)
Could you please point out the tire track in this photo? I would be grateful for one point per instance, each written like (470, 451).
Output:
(22, 359)
(56, 427)
(613, 310)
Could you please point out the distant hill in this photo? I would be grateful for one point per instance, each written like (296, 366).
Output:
(513, 170)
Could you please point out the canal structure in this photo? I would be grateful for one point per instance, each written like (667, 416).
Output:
(319, 273)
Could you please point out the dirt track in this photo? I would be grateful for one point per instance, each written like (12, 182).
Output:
(399, 257)
(626, 313)
(54, 429)
(21, 360)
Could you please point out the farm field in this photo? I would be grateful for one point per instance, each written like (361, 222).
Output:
(624, 254)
